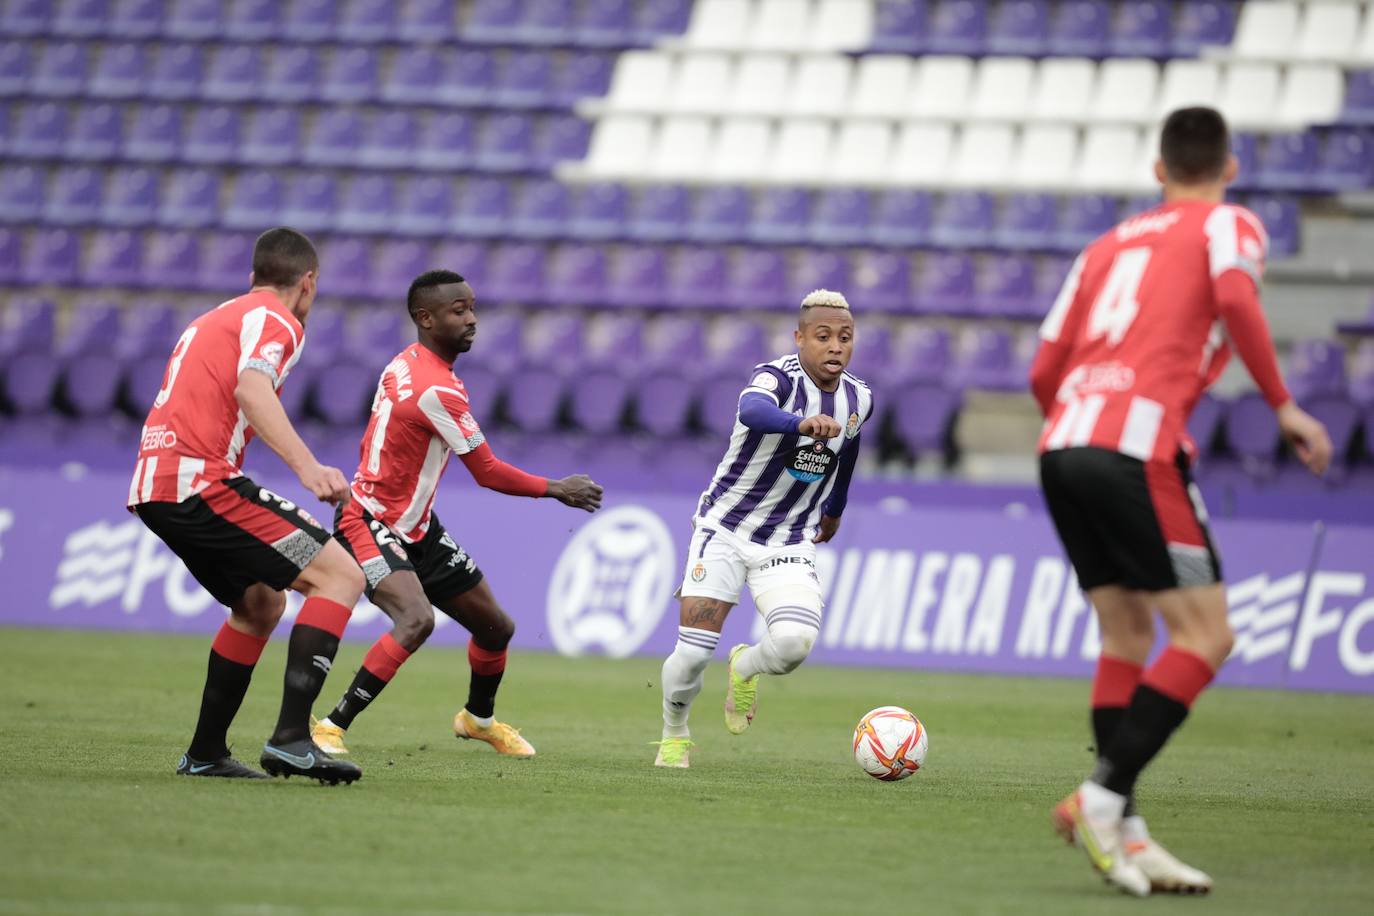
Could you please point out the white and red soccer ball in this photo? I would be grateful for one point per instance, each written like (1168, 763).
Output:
(890, 743)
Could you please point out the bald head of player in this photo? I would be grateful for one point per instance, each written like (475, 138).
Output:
(285, 262)
(444, 311)
(1195, 158)
(825, 337)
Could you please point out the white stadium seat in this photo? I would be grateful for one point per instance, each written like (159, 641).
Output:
(1249, 93)
(1328, 31)
(1188, 82)
(1144, 167)
(841, 25)
(1046, 157)
(1002, 89)
(941, 88)
(820, 86)
(780, 25)
(1064, 89)
(620, 145)
(719, 24)
(682, 145)
(801, 153)
(861, 152)
(702, 84)
(1109, 159)
(1266, 30)
(983, 155)
(742, 150)
(1126, 90)
(922, 154)
(1364, 44)
(760, 80)
(641, 82)
(1312, 94)
(882, 85)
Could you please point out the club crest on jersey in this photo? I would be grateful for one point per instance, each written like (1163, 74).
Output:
(699, 572)
(273, 352)
(811, 463)
(766, 380)
(467, 423)
(851, 428)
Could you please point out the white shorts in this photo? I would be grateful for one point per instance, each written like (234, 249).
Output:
(720, 564)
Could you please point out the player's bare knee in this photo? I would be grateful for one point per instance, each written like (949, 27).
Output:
(260, 609)
(496, 634)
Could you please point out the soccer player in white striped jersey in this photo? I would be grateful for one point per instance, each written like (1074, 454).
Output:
(778, 492)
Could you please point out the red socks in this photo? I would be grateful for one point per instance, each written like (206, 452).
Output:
(486, 661)
(1115, 681)
(385, 657)
(1179, 675)
(323, 614)
(239, 648)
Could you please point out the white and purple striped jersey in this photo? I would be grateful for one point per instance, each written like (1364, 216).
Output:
(771, 488)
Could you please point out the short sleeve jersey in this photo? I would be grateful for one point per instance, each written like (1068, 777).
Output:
(420, 418)
(195, 432)
(1139, 315)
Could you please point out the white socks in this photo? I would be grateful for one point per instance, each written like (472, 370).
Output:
(792, 631)
(683, 673)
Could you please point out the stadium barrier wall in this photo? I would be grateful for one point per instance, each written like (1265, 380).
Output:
(976, 590)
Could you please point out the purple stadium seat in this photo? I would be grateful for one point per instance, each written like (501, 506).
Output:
(468, 78)
(900, 26)
(663, 403)
(367, 21)
(696, 278)
(30, 381)
(39, 130)
(1246, 147)
(559, 138)
(212, 135)
(544, 24)
(130, 198)
(1050, 274)
(638, 277)
(1205, 422)
(1020, 27)
(446, 142)
(389, 140)
(505, 143)
(80, 18)
(310, 20)
(497, 348)
(676, 345)
(1005, 287)
(376, 334)
(346, 270)
(226, 260)
(190, 199)
(719, 214)
(334, 138)
(515, 273)
(135, 18)
(1201, 23)
(1346, 162)
(292, 75)
(540, 209)
(902, 218)
(343, 393)
(176, 72)
(494, 21)
(411, 76)
(657, 18)
(841, 217)
(21, 194)
(154, 134)
(231, 75)
(91, 384)
(1084, 218)
(16, 63)
(172, 260)
(958, 28)
(367, 204)
(1142, 28)
(1316, 368)
(603, 23)
(583, 75)
(394, 265)
(1253, 432)
(1027, 222)
(1080, 28)
(758, 280)
(253, 20)
(193, 20)
(424, 206)
(577, 275)
(1362, 376)
(659, 213)
(74, 196)
(597, 401)
(151, 330)
(944, 286)
(986, 361)
(272, 137)
(780, 216)
(617, 339)
(964, 220)
(534, 402)
(882, 282)
(26, 17)
(59, 70)
(599, 211)
(470, 259)
(113, 259)
(1359, 98)
(817, 269)
(1288, 162)
(326, 338)
(96, 327)
(350, 76)
(119, 73)
(482, 209)
(11, 251)
(872, 352)
(257, 200)
(523, 79)
(923, 414)
(718, 406)
(426, 21)
(1281, 220)
(554, 338)
(143, 380)
(94, 133)
(29, 325)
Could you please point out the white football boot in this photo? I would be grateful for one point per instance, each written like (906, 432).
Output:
(1165, 871)
(1091, 818)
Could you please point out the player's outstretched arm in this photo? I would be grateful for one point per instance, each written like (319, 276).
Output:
(578, 491)
(258, 400)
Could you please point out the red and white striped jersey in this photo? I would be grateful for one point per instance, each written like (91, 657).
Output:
(420, 418)
(195, 432)
(1140, 328)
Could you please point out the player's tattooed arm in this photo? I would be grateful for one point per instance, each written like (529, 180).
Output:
(704, 613)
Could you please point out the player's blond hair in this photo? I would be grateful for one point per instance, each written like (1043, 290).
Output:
(824, 299)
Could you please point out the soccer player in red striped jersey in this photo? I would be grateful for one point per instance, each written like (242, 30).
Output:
(421, 416)
(1145, 322)
(242, 542)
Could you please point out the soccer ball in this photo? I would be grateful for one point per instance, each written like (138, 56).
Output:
(890, 743)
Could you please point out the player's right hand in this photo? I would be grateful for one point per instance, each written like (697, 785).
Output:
(820, 427)
(328, 484)
(578, 491)
(1307, 435)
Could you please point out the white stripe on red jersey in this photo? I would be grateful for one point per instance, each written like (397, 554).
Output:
(195, 432)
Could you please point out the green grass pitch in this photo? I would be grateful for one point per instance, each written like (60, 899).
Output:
(1272, 793)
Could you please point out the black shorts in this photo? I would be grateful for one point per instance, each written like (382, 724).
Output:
(1140, 525)
(234, 534)
(445, 570)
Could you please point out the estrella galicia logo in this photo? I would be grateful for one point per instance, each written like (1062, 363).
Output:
(812, 462)
(609, 588)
